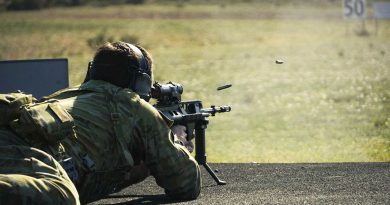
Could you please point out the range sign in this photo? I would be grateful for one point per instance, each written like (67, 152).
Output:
(354, 9)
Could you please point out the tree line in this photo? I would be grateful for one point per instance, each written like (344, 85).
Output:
(41, 4)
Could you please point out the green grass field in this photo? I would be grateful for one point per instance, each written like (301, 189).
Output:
(328, 102)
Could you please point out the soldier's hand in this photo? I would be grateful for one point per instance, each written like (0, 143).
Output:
(180, 137)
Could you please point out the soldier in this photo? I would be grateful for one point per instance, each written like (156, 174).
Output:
(83, 143)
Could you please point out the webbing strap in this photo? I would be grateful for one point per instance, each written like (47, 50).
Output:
(119, 132)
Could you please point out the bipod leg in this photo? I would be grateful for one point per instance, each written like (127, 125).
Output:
(215, 177)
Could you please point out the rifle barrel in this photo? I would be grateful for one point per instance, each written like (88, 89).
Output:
(216, 109)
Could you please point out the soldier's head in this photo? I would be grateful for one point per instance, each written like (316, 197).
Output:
(124, 65)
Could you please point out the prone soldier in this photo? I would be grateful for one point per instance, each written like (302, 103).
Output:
(83, 143)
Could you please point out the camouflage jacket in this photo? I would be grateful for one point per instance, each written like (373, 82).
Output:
(116, 131)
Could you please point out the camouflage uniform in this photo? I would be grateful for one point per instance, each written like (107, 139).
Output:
(117, 134)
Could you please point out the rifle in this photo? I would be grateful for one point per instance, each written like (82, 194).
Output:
(190, 114)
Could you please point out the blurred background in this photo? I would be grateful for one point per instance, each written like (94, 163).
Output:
(311, 78)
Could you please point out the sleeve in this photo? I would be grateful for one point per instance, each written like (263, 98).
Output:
(172, 165)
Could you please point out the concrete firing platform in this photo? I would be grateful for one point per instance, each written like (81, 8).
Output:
(322, 183)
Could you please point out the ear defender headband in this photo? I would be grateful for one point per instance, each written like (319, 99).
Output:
(141, 81)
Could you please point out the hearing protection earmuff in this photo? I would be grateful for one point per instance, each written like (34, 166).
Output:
(141, 82)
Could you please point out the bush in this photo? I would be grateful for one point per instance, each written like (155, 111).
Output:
(135, 1)
(99, 39)
(28, 4)
(133, 39)
(70, 2)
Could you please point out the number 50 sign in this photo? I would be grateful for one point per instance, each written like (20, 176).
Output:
(354, 9)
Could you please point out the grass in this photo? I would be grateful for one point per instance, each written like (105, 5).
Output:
(328, 102)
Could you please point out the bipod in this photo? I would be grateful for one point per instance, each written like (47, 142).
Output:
(200, 149)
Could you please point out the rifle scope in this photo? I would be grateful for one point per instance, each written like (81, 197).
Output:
(167, 94)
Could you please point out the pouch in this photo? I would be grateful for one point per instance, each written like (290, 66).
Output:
(47, 120)
(11, 106)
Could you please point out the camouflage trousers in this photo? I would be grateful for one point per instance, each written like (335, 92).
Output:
(31, 176)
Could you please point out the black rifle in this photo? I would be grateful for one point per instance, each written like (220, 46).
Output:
(190, 114)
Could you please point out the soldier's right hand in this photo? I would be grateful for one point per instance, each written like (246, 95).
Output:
(180, 137)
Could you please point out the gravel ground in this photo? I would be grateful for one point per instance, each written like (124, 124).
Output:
(329, 183)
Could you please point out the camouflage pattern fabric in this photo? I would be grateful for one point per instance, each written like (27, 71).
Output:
(31, 176)
(119, 140)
